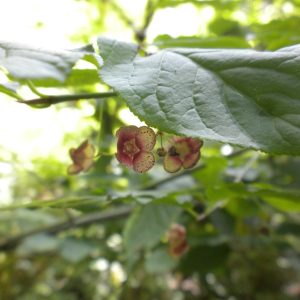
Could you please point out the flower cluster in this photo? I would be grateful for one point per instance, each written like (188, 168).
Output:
(178, 244)
(135, 145)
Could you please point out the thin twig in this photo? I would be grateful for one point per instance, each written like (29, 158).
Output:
(34, 89)
(238, 153)
(123, 16)
(81, 221)
(55, 99)
(140, 34)
(89, 219)
(246, 168)
(171, 178)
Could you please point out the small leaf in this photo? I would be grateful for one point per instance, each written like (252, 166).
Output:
(77, 77)
(159, 261)
(37, 244)
(147, 225)
(165, 41)
(74, 250)
(282, 199)
(29, 62)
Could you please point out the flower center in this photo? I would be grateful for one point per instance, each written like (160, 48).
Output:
(130, 148)
(182, 149)
(172, 151)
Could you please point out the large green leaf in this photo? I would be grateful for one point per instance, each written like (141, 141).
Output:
(29, 62)
(242, 97)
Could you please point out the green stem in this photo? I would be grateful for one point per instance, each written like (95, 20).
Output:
(122, 15)
(81, 221)
(246, 168)
(172, 177)
(100, 120)
(49, 100)
(34, 89)
(149, 13)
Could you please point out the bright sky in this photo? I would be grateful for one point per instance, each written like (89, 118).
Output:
(42, 21)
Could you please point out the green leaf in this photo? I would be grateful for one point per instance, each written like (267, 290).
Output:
(77, 77)
(75, 250)
(243, 206)
(165, 41)
(203, 259)
(283, 200)
(38, 243)
(159, 261)
(223, 221)
(29, 62)
(219, 5)
(68, 202)
(278, 33)
(226, 27)
(288, 228)
(10, 89)
(147, 225)
(242, 97)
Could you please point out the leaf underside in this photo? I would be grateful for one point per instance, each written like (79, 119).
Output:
(28, 62)
(242, 97)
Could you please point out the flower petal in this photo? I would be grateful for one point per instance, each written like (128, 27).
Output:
(87, 164)
(74, 169)
(182, 147)
(143, 162)
(194, 144)
(88, 151)
(191, 160)
(177, 233)
(172, 164)
(82, 146)
(124, 159)
(179, 249)
(72, 153)
(124, 134)
(146, 138)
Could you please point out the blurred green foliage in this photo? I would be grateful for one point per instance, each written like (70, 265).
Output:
(102, 235)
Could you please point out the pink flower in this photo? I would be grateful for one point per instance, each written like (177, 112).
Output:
(182, 152)
(82, 157)
(134, 147)
(178, 244)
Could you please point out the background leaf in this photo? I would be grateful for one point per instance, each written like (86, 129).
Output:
(29, 62)
(147, 225)
(165, 41)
